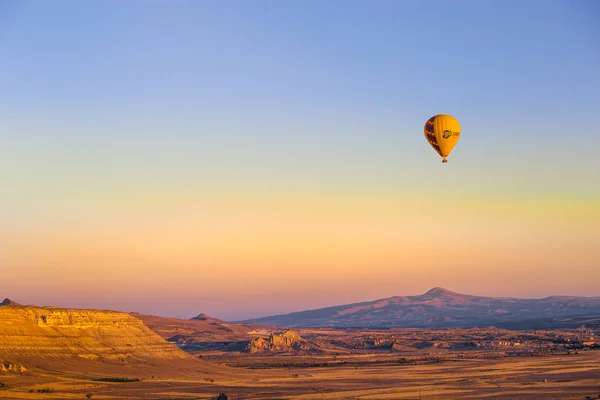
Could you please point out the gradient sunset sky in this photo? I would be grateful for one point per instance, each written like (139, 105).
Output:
(245, 158)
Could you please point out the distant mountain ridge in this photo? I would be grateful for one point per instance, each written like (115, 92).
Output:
(440, 308)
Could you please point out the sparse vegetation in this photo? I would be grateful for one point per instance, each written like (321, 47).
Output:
(44, 390)
(486, 375)
(89, 395)
(118, 380)
(2, 384)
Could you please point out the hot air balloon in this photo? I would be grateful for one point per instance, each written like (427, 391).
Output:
(442, 132)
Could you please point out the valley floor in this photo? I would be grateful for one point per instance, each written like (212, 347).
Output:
(574, 376)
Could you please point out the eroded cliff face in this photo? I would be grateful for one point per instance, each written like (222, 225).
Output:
(286, 341)
(30, 334)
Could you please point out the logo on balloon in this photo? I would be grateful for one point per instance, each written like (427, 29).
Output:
(448, 133)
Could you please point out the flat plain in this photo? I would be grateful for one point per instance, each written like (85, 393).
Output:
(574, 376)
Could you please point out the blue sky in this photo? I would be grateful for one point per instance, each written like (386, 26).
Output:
(340, 75)
(104, 103)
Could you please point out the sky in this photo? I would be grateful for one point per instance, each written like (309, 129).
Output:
(249, 158)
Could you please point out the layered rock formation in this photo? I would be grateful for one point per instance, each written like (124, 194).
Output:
(41, 337)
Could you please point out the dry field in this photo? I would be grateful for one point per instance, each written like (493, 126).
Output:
(551, 377)
(52, 353)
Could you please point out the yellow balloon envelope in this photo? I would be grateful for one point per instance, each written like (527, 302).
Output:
(442, 132)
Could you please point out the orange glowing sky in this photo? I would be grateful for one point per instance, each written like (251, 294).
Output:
(242, 254)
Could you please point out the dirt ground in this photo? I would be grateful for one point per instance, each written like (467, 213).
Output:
(550, 377)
